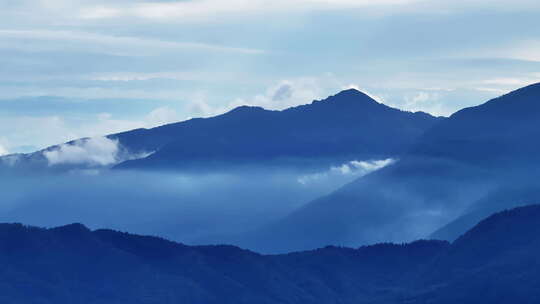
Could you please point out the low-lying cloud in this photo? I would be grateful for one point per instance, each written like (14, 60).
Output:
(97, 151)
(191, 208)
(3, 151)
(90, 152)
(352, 169)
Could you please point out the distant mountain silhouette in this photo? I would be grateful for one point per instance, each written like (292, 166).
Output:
(446, 168)
(521, 194)
(349, 125)
(502, 130)
(456, 163)
(72, 264)
(495, 262)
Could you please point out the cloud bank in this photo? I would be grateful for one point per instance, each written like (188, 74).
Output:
(91, 152)
(352, 169)
(3, 151)
(192, 208)
(97, 151)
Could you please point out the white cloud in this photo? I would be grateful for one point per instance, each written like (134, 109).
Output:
(282, 95)
(83, 11)
(353, 168)
(161, 116)
(100, 43)
(369, 166)
(51, 130)
(92, 152)
(512, 82)
(503, 85)
(211, 10)
(36, 131)
(3, 150)
(191, 75)
(99, 12)
(513, 49)
(492, 90)
(97, 151)
(528, 50)
(91, 92)
(427, 101)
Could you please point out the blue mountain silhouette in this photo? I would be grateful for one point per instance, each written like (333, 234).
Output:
(469, 156)
(72, 264)
(348, 125)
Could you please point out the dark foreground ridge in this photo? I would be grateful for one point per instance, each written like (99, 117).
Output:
(495, 262)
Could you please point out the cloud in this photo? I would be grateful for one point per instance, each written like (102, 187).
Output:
(503, 85)
(528, 50)
(284, 92)
(52, 130)
(143, 76)
(351, 169)
(206, 10)
(492, 90)
(161, 116)
(44, 130)
(190, 11)
(282, 95)
(513, 82)
(364, 167)
(3, 150)
(106, 44)
(196, 208)
(97, 151)
(287, 93)
(425, 101)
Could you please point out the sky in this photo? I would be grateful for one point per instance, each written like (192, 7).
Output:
(79, 68)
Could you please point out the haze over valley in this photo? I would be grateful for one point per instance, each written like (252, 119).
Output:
(255, 151)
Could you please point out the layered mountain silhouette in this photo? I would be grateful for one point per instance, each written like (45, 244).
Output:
(477, 153)
(72, 264)
(516, 194)
(498, 132)
(450, 171)
(349, 125)
(499, 257)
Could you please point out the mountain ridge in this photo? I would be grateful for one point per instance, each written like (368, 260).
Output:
(448, 169)
(77, 264)
(347, 125)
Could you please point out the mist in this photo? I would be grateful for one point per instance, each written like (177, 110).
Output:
(402, 202)
(266, 209)
(193, 208)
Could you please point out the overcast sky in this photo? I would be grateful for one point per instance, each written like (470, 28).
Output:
(75, 68)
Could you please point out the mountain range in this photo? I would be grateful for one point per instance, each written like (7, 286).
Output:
(494, 262)
(465, 163)
(347, 126)
(448, 174)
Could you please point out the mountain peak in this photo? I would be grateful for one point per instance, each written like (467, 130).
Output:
(351, 97)
(353, 93)
(246, 110)
(75, 229)
(520, 103)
